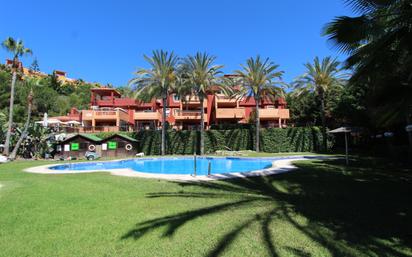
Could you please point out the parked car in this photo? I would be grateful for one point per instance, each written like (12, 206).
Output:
(91, 155)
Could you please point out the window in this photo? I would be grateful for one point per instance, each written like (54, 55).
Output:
(176, 98)
(83, 145)
(112, 145)
(74, 146)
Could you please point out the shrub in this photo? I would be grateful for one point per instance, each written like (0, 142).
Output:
(273, 140)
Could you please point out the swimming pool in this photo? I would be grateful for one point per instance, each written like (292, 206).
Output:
(176, 165)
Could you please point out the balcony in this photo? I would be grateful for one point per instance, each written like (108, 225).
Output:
(97, 129)
(230, 113)
(147, 115)
(89, 115)
(284, 113)
(181, 115)
(225, 100)
(116, 102)
(271, 114)
(193, 101)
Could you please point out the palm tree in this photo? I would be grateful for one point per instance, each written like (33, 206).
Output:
(201, 75)
(157, 81)
(260, 79)
(378, 42)
(319, 78)
(16, 47)
(26, 125)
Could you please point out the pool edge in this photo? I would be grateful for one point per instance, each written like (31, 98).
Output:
(278, 167)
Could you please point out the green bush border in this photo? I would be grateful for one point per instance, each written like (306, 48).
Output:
(273, 140)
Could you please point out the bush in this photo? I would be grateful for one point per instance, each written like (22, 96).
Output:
(272, 140)
(226, 126)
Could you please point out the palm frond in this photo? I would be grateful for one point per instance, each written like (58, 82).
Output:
(260, 78)
(157, 80)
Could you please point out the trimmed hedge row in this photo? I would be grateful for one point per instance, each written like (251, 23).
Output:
(272, 140)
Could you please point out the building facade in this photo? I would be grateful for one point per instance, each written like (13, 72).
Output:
(110, 111)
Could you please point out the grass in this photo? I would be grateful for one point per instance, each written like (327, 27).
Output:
(323, 209)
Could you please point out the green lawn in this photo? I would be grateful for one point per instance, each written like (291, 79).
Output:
(323, 209)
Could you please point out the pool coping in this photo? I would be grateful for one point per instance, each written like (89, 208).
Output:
(278, 167)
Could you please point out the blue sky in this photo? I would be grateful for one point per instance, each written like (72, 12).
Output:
(104, 41)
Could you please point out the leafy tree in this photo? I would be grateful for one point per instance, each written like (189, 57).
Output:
(17, 48)
(157, 81)
(202, 77)
(320, 78)
(54, 82)
(304, 109)
(5, 80)
(126, 91)
(350, 107)
(260, 79)
(43, 103)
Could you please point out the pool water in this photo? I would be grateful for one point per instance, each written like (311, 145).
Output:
(180, 165)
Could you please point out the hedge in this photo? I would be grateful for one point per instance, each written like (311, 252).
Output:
(273, 140)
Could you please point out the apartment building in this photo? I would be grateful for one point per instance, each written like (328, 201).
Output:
(110, 111)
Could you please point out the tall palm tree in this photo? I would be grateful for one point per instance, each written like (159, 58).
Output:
(157, 81)
(201, 74)
(17, 48)
(319, 78)
(26, 126)
(260, 79)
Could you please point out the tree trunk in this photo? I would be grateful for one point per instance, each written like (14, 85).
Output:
(408, 122)
(323, 116)
(257, 125)
(410, 146)
(164, 126)
(24, 133)
(8, 135)
(202, 127)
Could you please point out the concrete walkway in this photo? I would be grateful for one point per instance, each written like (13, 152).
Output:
(278, 167)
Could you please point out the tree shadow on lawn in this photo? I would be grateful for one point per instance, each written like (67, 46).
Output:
(350, 211)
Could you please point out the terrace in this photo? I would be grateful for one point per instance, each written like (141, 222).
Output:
(273, 113)
(115, 114)
(115, 102)
(230, 113)
(147, 115)
(181, 115)
(225, 100)
(193, 101)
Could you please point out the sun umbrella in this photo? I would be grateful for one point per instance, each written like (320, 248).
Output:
(345, 130)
